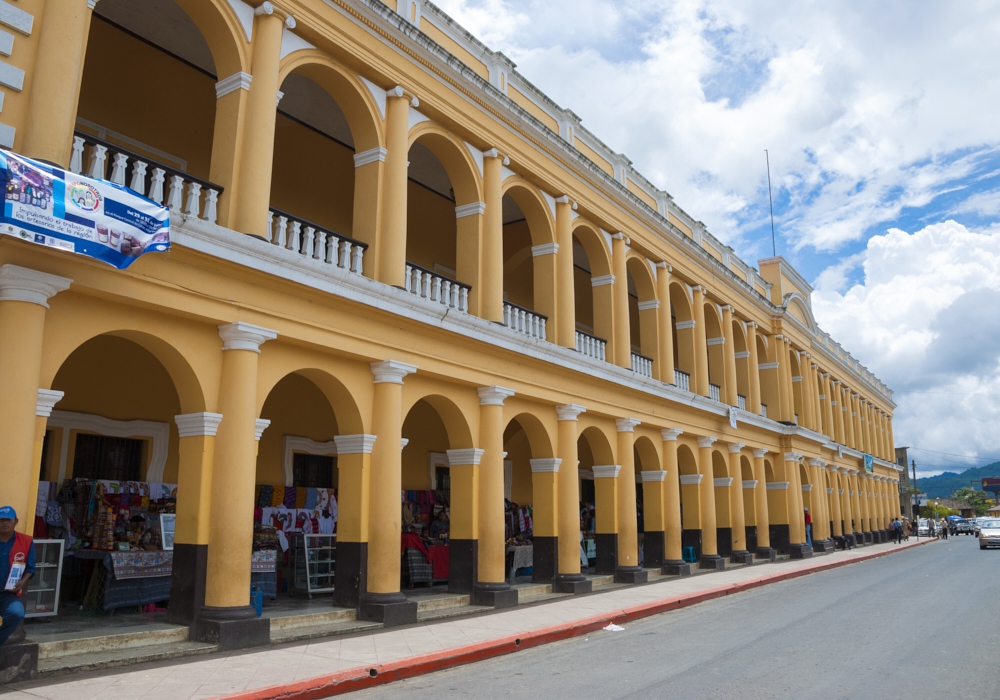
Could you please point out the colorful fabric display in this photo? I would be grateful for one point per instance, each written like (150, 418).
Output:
(289, 497)
(300, 498)
(312, 497)
(264, 497)
(278, 496)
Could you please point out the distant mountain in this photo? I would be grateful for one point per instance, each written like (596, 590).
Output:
(943, 485)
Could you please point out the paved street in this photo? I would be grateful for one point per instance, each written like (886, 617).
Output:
(810, 637)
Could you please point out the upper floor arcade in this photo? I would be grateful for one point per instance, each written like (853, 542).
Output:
(360, 149)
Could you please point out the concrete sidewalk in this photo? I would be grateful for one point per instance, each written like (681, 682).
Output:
(327, 667)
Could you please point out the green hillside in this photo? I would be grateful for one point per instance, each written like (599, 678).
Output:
(944, 485)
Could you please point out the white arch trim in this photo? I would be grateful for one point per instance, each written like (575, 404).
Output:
(302, 445)
(157, 433)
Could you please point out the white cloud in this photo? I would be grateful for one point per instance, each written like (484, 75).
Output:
(866, 108)
(926, 320)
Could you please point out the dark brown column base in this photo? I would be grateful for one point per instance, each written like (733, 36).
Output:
(497, 595)
(463, 565)
(607, 553)
(350, 577)
(869, 539)
(572, 583)
(767, 553)
(712, 562)
(631, 574)
(18, 662)
(187, 583)
(545, 559)
(883, 536)
(724, 541)
(800, 551)
(231, 628)
(391, 609)
(741, 557)
(823, 546)
(676, 568)
(780, 537)
(652, 549)
(751, 531)
(692, 538)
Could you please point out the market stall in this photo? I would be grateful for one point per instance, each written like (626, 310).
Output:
(425, 536)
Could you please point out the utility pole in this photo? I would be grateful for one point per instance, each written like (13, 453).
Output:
(916, 499)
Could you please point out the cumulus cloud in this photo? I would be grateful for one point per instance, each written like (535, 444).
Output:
(926, 319)
(867, 108)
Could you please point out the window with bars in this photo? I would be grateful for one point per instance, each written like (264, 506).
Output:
(312, 471)
(103, 457)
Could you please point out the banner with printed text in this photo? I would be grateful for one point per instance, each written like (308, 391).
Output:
(53, 207)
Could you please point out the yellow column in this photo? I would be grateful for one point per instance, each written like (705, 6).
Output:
(55, 81)
(828, 428)
(729, 356)
(785, 408)
(191, 535)
(628, 543)
(654, 517)
(24, 295)
(796, 520)
(700, 344)
(710, 558)
(47, 399)
(807, 418)
(545, 510)
(673, 557)
(753, 401)
(382, 601)
(391, 256)
(892, 440)
(856, 508)
(492, 587)
(622, 340)
(230, 531)
(664, 326)
(764, 550)
(354, 470)
(738, 514)
(492, 260)
(606, 527)
(846, 512)
(848, 417)
(565, 330)
(569, 579)
(859, 431)
(253, 197)
(464, 466)
(811, 395)
(838, 413)
(865, 502)
(820, 514)
(834, 497)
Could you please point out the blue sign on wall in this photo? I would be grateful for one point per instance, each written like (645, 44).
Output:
(869, 463)
(50, 206)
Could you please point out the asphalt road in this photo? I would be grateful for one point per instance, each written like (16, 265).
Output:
(923, 623)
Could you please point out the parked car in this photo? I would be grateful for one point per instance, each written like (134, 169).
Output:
(989, 533)
(922, 527)
(963, 527)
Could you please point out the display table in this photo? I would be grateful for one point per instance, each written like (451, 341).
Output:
(524, 556)
(136, 578)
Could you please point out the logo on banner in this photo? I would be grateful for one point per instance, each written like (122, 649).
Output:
(84, 196)
(869, 464)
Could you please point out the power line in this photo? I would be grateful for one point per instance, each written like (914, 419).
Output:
(953, 454)
(770, 201)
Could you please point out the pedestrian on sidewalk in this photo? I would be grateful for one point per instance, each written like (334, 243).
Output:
(809, 527)
(17, 566)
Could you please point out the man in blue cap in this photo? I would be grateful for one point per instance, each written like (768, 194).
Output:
(17, 565)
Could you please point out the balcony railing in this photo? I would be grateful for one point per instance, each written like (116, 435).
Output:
(434, 287)
(313, 241)
(183, 191)
(763, 410)
(524, 321)
(682, 380)
(590, 345)
(715, 392)
(642, 365)
(741, 402)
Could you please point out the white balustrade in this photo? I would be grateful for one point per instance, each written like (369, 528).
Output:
(715, 392)
(682, 380)
(311, 241)
(524, 321)
(434, 287)
(642, 365)
(590, 346)
(763, 410)
(741, 402)
(183, 192)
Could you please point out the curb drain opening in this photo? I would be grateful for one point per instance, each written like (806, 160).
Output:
(373, 672)
(517, 642)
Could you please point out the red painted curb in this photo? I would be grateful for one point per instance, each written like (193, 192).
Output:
(369, 676)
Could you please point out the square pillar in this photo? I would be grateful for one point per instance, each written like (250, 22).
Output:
(545, 502)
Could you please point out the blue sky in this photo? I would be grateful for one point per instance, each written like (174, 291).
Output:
(884, 140)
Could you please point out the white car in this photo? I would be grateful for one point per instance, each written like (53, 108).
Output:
(922, 527)
(989, 533)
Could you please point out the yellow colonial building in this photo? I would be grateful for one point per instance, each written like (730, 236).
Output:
(392, 254)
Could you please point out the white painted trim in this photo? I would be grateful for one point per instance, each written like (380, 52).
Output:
(670, 434)
(606, 471)
(602, 280)
(293, 444)
(807, 487)
(292, 42)
(47, 399)
(259, 426)
(237, 81)
(829, 490)
(569, 411)
(434, 460)
(24, 284)
(649, 304)
(715, 341)
(741, 354)
(16, 18)
(477, 156)
(378, 94)
(466, 456)
(391, 371)
(416, 117)
(549, 465)
(750, 483)
(245, 336)
(372, 155)
(777, 486)
(493, 395)
(544, 249)
(627, 425)
(244, 13)
(197, 424)
(691, 479)
(724, 481)
(157, 433)
(470, 209)
(685, 325)
(652, 475)
(767, 365)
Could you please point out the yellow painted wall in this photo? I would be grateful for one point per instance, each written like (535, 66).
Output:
(518, 269)
(452, 47)
(296, 407)
(598, 159)
(142, 92)
(679, 224)
(313, 176)
(641, 194)
(426, 433)
(431, 230)
(738, 272)
(534, 110)
(519, 452)
(117, 379)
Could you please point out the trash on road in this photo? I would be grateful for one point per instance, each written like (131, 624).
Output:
(612, 627)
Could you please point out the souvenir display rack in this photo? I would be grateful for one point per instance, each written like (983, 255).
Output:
(41, 594)
(314, 561)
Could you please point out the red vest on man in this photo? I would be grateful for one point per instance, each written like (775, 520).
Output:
(19, 550)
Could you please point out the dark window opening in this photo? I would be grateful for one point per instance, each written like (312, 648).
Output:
(111, 458)
(587, 491)
(442, 475)
(312, 471)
